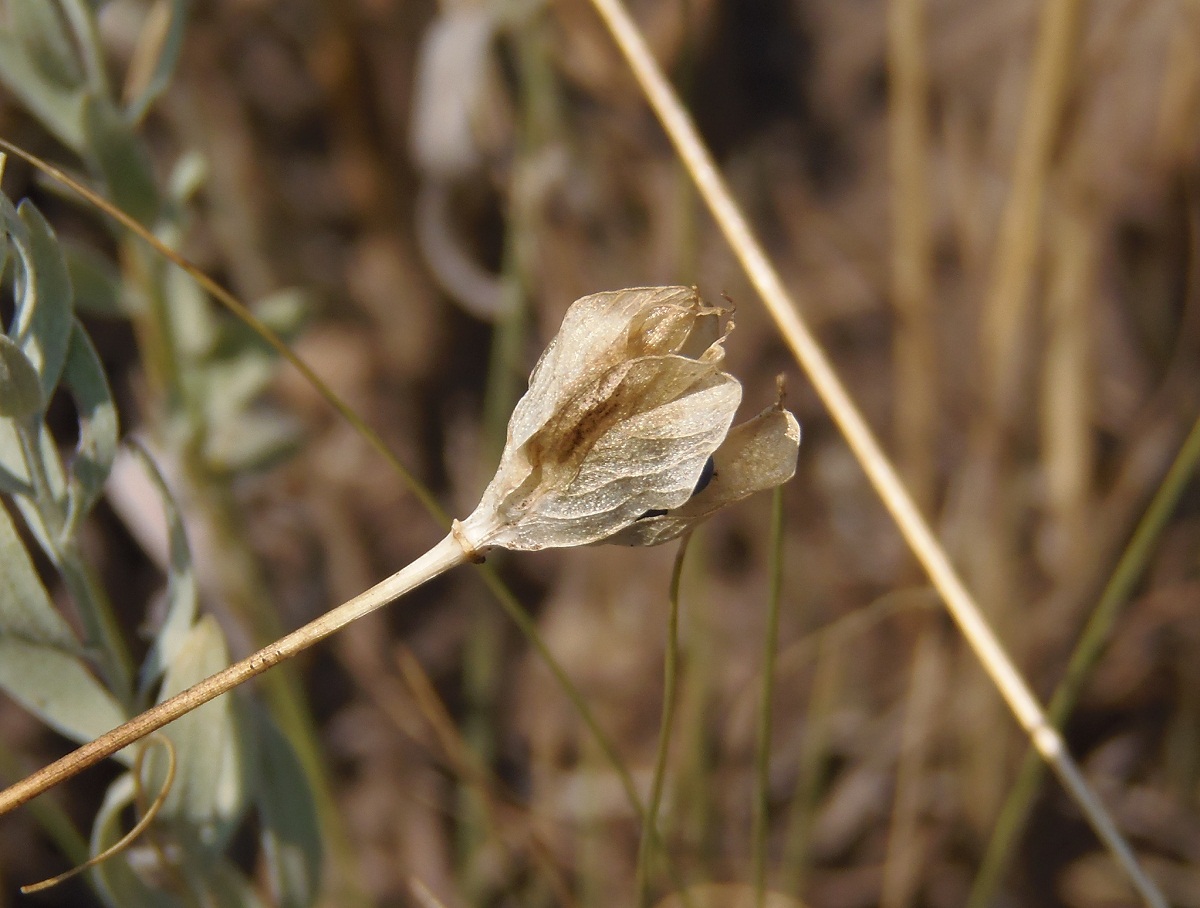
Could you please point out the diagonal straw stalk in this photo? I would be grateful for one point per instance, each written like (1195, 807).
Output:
(442, 557)
(867, 450)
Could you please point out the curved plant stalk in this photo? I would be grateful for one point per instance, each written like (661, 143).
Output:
(879, 469)
(138, 828)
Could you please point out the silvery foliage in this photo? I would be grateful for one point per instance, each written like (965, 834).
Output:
(80, 680)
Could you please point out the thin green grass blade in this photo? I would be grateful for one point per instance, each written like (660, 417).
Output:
(1091, 645)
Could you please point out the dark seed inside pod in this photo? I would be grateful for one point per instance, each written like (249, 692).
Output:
(706, 476)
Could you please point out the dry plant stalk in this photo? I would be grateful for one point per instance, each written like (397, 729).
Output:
(623, 437)
(879, 469)
(912, 247)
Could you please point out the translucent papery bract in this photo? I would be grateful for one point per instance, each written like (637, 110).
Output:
(600, 332)
(650, 460)
(623, 411)
(757, 455)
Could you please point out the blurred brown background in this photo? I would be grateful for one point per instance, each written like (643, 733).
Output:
(1001, 257)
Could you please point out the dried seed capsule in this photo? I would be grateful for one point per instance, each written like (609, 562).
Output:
(625, 412)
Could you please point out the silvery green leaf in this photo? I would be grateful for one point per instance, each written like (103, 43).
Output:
(57, 687)
(284, 312)
(254, 439)
(85, 39)
(25, 610)
(233, 381)
(45, 310)
(115, 879)
(207, 799)
(14, 476)
(20, 387)
(192, 316)
(187, 177)
(41, 664)
(169, 42)
(3, 231)
(181, 594)
(84, 377)
(291, 834)
(96, 282)
(122, 162)
(14, 479)
(57, 107)
(40, 26)
(223, 884)
(28, 70)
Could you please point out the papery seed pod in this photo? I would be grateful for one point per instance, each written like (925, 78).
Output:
(624, 410)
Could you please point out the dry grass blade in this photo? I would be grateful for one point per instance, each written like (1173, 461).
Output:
(912, 246)
(862, 441)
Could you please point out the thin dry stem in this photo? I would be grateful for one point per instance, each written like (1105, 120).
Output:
(907, 848)
(912, 259)
(1067, 407)
(446, 554)
(866, 448)
(1007, 302)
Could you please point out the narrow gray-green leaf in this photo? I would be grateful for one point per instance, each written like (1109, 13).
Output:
(223, 884)
(20, 387)
(96, 281)
(57, 687)
(83, 375)
(291, 834)
(122, 162)
(45, 307)
(10, 221)
(49, 46)
(253, 440)
(3, 232)
(233, 382)
(207, 798)
(85, 32)
(58, 108)
(25, 610)
(14, 478)
(181, 594)
(40, 660)
(164, 63)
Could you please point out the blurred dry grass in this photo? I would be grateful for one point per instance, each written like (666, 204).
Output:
(1036, 368)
